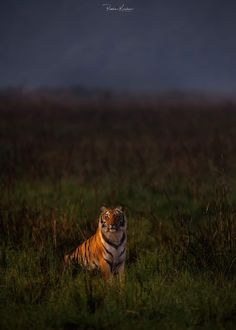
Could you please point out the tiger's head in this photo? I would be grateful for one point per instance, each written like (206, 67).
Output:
(112, 219)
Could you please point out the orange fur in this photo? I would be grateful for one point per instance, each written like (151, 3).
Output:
(106, 249)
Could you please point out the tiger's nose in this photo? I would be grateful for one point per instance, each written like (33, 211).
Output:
(112, 226)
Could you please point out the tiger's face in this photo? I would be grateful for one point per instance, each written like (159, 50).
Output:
(112, 219)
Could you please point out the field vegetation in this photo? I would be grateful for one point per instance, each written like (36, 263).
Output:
(174, 170)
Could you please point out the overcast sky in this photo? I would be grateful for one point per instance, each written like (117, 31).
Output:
(159, 45)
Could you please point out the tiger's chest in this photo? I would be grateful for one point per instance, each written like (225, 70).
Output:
(114, 252)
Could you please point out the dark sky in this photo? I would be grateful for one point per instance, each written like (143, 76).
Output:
(161, 44)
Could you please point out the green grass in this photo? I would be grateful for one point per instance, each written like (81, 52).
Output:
(174, 171)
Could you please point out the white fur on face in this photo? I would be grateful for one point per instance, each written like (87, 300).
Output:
(113, 220)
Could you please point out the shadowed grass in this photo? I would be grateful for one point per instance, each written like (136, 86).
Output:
(174, 170)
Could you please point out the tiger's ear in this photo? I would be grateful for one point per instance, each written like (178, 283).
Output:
(103, 209)
(120, 208)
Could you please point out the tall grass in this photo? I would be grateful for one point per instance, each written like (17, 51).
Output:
(173, 169)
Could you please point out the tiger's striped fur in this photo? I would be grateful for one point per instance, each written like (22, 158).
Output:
(106, 249)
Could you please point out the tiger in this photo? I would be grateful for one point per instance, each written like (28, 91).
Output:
(105, 251)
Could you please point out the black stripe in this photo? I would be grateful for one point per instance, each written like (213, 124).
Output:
(109, 263)
(72, 255)
(108, 241)
(95, 264)
(122, 252)
(118, 264)
(107, 251)
(113, 244)
(122, 240)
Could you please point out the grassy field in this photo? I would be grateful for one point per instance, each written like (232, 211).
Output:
(174, 171)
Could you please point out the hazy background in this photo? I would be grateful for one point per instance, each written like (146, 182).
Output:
(161, 45)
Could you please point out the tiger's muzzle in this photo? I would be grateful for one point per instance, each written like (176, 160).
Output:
(112, 228)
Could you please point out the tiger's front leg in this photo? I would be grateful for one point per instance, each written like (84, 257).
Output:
(121, 274)
(105, 270)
